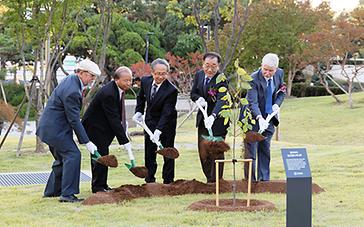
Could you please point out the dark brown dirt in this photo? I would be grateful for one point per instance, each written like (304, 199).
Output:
(140, 171)
(108, 160)
(252, 137)
(214, 148)
(169, 152)
(227, 205)
(182, 187)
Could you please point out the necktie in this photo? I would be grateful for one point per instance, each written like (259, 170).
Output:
(122, 110)
(206, 85)
(153, 92)
(268, 98)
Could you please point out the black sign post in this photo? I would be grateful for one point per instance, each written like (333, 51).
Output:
(299, 187)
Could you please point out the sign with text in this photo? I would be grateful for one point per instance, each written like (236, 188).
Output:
(296, 162)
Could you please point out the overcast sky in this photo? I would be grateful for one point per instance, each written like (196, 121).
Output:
(339, 5)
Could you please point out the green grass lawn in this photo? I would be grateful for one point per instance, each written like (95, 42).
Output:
(331, 133)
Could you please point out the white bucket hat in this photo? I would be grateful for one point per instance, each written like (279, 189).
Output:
(89, 66)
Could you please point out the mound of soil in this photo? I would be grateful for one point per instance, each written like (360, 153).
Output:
(182, 187)
(227, 205)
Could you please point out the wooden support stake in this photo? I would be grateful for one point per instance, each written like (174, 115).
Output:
(217, 182)
(249, 178)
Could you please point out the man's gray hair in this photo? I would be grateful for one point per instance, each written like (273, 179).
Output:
(271, 60)
(159, 61)
(120, 71)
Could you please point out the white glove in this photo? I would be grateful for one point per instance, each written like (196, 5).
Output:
(201, 101)
(91, 147)
(155, 137)
(127, 147)
(263, 124)
(138, 117)
(275, 107)
(209, 121)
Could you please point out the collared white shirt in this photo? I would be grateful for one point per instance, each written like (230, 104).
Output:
(82, 86)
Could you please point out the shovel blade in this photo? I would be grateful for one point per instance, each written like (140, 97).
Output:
(108, 160)
(252, 137)
(139, 171)
(169, 152)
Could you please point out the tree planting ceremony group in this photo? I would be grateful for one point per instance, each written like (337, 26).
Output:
(182, 113)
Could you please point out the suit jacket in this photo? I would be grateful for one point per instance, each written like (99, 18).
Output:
(160, 112)
(61, 115)
(214, 102)
(256, 95)
(102, 119)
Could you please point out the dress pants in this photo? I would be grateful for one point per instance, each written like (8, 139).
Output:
(261, 148)
(99, 172)
(65, 176)
(167, 140)
(208, 161)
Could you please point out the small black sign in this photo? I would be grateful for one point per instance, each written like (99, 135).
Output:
(296, 162)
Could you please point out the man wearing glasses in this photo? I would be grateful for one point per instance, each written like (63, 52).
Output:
(205, 91)
(59, 119)
(159, 97)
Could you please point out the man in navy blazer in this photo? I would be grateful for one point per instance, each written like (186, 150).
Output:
(159, 97)
(105, 119)
(206, 92)
(265, 97)
(59, 119)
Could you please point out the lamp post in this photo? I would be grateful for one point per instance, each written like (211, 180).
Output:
(147, 46)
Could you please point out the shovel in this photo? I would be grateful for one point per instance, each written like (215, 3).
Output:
(213, 143)
(138, 171)
(269, 117)
(168, 152)
(106, 160)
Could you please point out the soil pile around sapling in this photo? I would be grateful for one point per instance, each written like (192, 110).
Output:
(182, 187)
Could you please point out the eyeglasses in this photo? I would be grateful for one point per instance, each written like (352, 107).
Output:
(160, 73)
(208, 66)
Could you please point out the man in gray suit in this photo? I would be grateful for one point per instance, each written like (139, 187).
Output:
(60, 118)
(265, 97)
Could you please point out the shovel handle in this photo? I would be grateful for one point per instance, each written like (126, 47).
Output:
(150, 133)
(204, 113)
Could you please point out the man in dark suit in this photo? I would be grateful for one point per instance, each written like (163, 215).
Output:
(59, 119)
(206, 91)
(105, 119)
(265, 96)
(160, 97)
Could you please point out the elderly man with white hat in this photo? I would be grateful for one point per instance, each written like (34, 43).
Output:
(59, 119)
(265, 98)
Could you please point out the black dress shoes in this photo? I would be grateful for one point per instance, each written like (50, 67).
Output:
(107, 189)
(69, 199)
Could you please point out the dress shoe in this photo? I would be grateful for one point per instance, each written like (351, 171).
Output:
(108, 189)
(69, 199)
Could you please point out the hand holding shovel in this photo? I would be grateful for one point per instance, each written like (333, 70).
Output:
(168, 152)
(214, 144)
(269, 117)
(106, 160)
(139, 171)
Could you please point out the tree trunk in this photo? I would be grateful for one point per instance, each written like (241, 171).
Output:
(289, 82)
(324, 82)
(350, 82)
